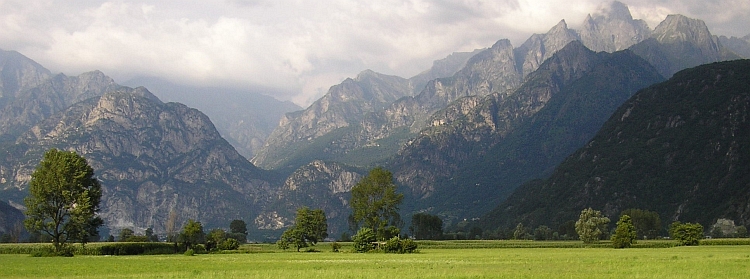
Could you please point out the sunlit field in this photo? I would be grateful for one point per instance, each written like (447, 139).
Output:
(267, 262)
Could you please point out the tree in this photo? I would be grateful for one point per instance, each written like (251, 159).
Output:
(591, 225)
(238, 231)
(171, 226)
(310, 226)
(63, 199)
(741, 232)
(426, 226)
(238, 226)
(151, 236)
(647, 223)
(214, 238)
(519, 232)
(687, 234)
(192, 234)
(542, 233)
(125, 234)
(625, 233)
(375, 203)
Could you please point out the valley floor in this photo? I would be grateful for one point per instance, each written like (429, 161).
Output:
(676, 262)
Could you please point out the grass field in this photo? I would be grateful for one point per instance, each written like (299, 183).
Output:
(261, 261)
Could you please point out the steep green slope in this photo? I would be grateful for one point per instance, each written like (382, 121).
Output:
(679, 148)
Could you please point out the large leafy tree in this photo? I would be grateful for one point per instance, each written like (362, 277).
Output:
(310, 226)
(426, 226)
(192, 234)
(647, 223)
(688, 234)
(591, 225)
(238, 231)
(375, 203)
(63, 199)
(625, 233)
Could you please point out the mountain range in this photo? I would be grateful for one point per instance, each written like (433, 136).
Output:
(459, 137)
(677, 148)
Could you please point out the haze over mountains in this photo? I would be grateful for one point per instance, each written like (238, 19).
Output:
(459, 137)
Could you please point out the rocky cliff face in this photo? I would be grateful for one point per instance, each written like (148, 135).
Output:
(332, 130)
(17, 73)
(674, 148)
(740, 46)
(477, 150)
(344, 105)
(679, 43)
(34, 104)
(612, 29)
(152, 158)
(245, 118)
(324, 185)
(540, 47)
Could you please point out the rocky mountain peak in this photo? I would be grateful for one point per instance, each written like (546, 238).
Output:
(18, 72)
(679, 28)
(539, 47)
(615, 11)
(612, 28)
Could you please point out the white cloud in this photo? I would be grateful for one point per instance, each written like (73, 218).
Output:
(299, 47)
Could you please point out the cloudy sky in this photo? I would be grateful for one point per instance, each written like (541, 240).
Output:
(297, 48)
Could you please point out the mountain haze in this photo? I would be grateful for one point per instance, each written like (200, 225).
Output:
(244, 118)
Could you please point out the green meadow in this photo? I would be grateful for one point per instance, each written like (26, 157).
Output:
(494, 260)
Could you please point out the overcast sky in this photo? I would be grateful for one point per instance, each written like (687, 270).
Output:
(299, 48)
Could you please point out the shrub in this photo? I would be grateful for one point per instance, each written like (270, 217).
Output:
(408, 246)
(392, 245)
(229, 244)
(686, 233)
(363, 240)
(190, 252)
(137, 248)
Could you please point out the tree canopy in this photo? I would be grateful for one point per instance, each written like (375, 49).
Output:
(63, 199)
(192, 234)
(647, 223)
(625, 233)
(591, 225)
(688, 234)
(426, 226)
(310, 226)
(375, 203)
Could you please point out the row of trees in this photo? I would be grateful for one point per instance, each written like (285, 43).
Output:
(64, 199)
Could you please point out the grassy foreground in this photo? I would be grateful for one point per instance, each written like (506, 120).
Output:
(677, 262)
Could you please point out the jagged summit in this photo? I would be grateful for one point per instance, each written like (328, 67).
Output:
(614, 11)
(613, 28)
(679, 28)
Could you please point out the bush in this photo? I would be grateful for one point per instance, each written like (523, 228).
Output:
(363, 240)
(229, 244)
(392, 245)
(137, 248)
(408, 246)
(190, 252)
(687, 234)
